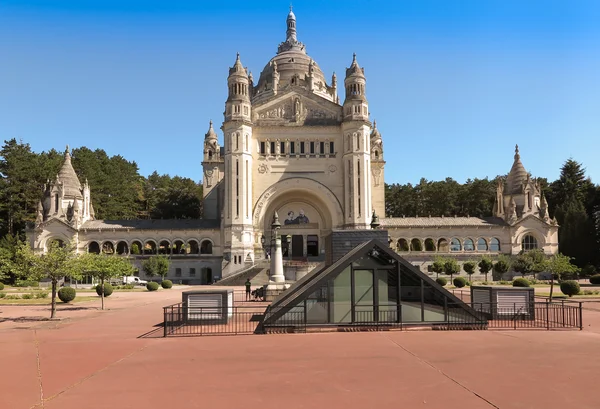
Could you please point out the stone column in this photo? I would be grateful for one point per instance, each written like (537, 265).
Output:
(277, 275)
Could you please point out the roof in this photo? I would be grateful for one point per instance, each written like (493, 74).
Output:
(517, 175)
(163, 224)
(68, 178)
(309, 283)
(441, 222)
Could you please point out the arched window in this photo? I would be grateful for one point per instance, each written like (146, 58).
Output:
(192, 247)
(455, 245)
(442, 245)
(482, 245)
(206, 247)
(122, 248)
(429, 245)
(108, 248)
(136, 247)
(150, 247)
(178, 247)
(415, 245)
(402, 245)
(469, 246)
(529, 243)
(494, 244)
(164, 247)
(94, 247)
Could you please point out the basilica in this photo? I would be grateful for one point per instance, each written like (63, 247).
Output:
(299, 145)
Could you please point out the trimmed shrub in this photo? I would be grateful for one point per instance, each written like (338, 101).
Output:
(1, 286)
(166, 284)
(595, 279)
(152, 286)
(27, 283)
(521, 282)
(441, 281)
(459, 282)
(2, 295)
(42, 294)
(66, 294)
(28, 296)
(108, 289)
(570, 288)
(128, 287)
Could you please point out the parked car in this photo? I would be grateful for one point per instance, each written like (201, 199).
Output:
(134, 280)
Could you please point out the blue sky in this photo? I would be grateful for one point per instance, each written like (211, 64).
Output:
(453, 85)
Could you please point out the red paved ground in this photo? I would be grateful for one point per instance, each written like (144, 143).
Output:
(96, 360)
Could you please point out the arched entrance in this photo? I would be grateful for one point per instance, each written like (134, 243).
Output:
(307, 212)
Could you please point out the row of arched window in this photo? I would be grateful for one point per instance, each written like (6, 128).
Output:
(149, 247)
(443, 245)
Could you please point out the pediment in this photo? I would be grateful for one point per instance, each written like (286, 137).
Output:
(53, 223)
(293, 108)
(532, 220)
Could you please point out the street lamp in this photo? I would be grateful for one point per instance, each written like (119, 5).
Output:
(262, 243)
(288, 241)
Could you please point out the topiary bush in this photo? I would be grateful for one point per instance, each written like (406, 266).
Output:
(66, 294)
(166, 284)
(108, 289)
(459, 282)
(521, 282)
(1, 286)
(441, 281)
(570, 288)
(152, 286)
(595, 279)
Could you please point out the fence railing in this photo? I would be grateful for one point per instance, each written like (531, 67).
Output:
(181, 320)
(258, 318)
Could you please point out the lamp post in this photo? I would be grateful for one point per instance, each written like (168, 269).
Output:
(288, 240)
(277, 275)
(262, 243)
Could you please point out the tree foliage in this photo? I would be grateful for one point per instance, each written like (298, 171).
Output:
(485, 266)
(156, 266)
(104, 267)
(557, 265)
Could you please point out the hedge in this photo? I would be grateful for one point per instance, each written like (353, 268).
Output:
(441, 281)
(166, 284)
(521, 282)
(67, 294)
(570, 288)
(108, 289)
(595, 279)
(459, 282)
(152, 286)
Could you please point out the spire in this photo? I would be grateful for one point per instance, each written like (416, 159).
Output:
(238, 68)
(68, 178)
(354, 68)
(290, 34)
(517, 175)
(375, 132)
(211, 134)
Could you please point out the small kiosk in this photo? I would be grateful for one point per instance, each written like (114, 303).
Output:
(503, 302)
(208, 305)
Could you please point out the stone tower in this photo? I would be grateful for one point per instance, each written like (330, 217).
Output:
(377, 172)
(356, 130)
(212, 166)
(238, 231)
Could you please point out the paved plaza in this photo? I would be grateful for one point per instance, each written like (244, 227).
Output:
(117, 358)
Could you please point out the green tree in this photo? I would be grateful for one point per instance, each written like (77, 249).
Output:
(451, 267)
(485, 266)
(104, 267)
(156, 266)
(469, 267)
(530, 262)
(57, 263)
(438, 266)
(559, 264)
(502, 265)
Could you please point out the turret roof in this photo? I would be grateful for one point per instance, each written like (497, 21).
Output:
(68, 178)
(517, 175)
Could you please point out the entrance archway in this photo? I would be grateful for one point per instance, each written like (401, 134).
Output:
(307, 212)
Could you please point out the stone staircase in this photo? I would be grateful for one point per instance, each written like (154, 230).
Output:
(257, 275)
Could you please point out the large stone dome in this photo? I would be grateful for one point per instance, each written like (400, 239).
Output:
(293, 66)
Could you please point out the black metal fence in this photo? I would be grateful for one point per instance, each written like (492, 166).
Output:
(260, 318)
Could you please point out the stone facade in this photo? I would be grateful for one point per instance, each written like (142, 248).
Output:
(291, 146)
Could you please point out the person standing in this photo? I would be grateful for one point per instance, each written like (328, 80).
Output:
(248, 285)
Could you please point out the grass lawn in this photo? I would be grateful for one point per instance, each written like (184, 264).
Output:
(562, 296)
(45, 301)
